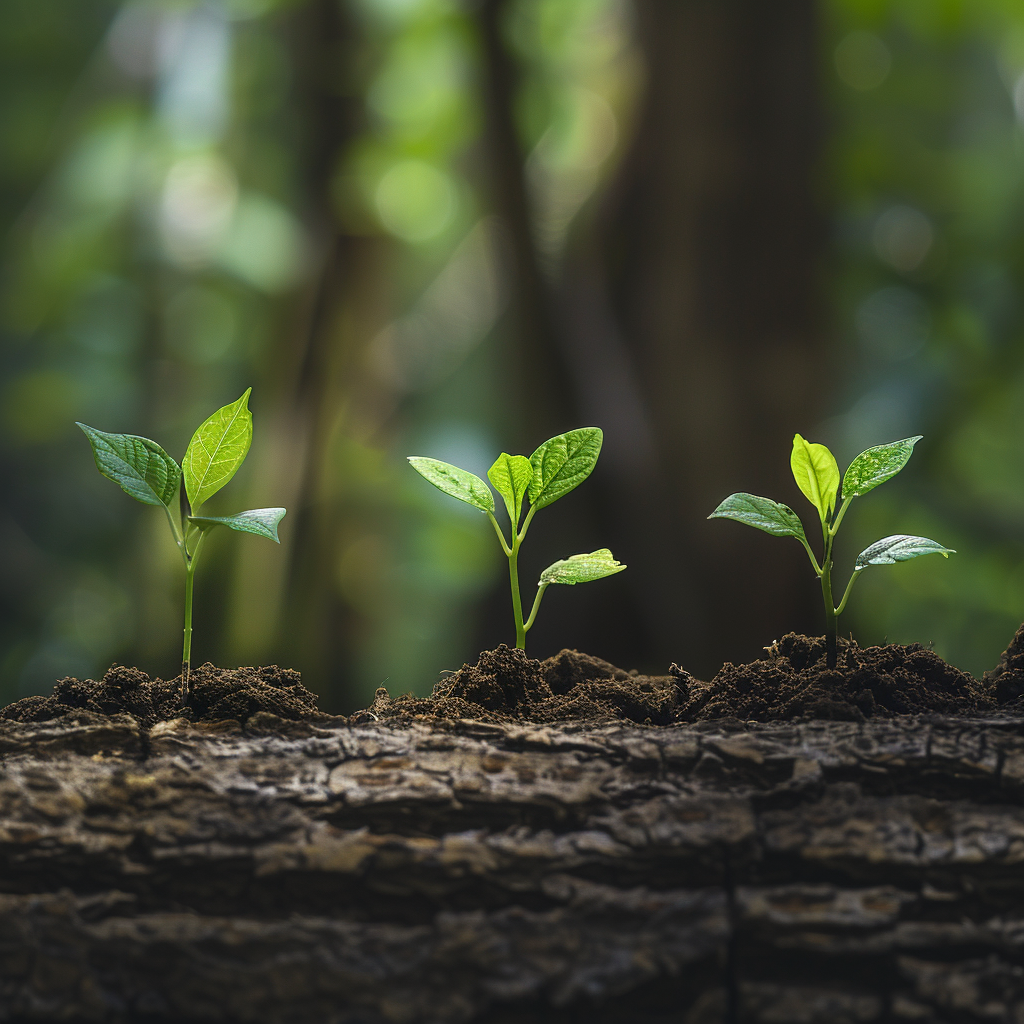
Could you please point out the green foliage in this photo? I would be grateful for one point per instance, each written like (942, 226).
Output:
(817, 475)
(216, 450)
(762, 513)
(145, 471)
(262, 522)
(512, 476)
(459, 483)
(563, 463)
(140, 467)
(582, 568)
(555, 468)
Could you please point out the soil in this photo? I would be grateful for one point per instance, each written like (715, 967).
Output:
(790, 682)
(218, 695)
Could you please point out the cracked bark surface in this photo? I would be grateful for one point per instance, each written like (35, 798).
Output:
(466, 871)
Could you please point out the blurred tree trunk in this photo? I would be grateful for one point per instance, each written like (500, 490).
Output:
(697, 301)
(286, 605)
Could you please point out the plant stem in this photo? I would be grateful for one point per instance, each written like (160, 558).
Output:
(517, 604)
(831, 630)
(536, 605)
(190, 571)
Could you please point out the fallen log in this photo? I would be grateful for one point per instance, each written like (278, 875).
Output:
(424, 868)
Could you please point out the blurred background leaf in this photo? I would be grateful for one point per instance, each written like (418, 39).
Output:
(453, 228)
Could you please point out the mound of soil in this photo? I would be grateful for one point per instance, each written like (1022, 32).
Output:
(218, 695)
(871, 682)
(1007, 678)
(506, 685)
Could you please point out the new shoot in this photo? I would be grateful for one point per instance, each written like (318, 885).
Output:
(817, 476)
(145, 471)
(550, 473)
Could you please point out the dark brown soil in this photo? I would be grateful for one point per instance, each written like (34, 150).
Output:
(218, 695)
(791, 682)
(505, 684)
(867, 682)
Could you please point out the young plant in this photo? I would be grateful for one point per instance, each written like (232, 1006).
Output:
(145, 471)
(550, 473)
(817, 476)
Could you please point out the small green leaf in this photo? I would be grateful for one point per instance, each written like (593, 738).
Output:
(459, 483)
(899, 548)
(140, 467)
(511, 476)
(763, 513)
(562, 463)
(216, 450)
(876, 465)
(582, 568)
(260, 521)
(816, 474)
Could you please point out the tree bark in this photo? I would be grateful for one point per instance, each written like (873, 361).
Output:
(461, 871)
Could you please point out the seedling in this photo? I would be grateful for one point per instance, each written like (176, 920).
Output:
(817, 476)
(145, 471)
(550, 473)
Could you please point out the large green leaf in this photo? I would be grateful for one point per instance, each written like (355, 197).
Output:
(816, 474)
(260, 521)
(216, 450)
(876, 465)
(511, 476)
(899, 548)
(562, 463)
(140, 467)
(459, 483)
(582, 568)
(762, 513)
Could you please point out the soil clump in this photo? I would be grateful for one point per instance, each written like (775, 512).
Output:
(793, 681)
(506, 685)
(218, 695)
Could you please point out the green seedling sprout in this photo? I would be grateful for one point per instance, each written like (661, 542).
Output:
(550, 473)
(145, 471)
(817, 476)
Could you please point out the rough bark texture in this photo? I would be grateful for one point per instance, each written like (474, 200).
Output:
(810, 872)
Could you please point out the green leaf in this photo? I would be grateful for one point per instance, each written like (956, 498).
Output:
(876, 465)
(260, 521)
(762, 513)
(582, 568)
(216, 450)
(511, 476)
(899, 548)
(140, 467)
(816, 474)
(459, 483)
(562, 463)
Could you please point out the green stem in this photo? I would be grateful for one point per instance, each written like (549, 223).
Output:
(517, 604)
(831, 630)
(536, 605)
(501, 536)
(846, 594)
(190, 571)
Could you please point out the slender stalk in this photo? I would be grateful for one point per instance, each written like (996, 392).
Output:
(186, 651)
(517, 604)
(831, 630)
(536, 605)
(846, 594)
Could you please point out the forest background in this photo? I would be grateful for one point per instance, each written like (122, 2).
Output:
(456, 227)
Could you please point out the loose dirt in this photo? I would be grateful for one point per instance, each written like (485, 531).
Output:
(790, 682)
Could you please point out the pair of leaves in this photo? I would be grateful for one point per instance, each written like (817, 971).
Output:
(555, 468)
(581, 568)
(142, 469)
(817, 473)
